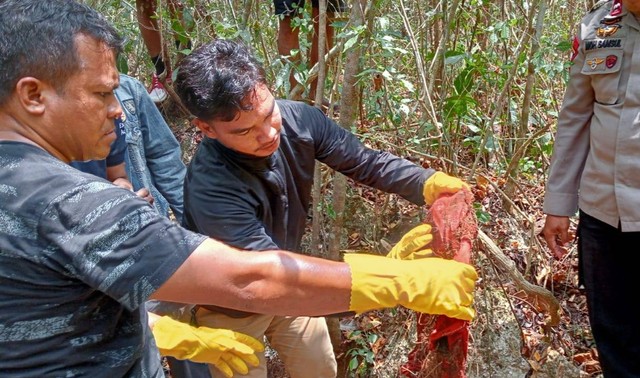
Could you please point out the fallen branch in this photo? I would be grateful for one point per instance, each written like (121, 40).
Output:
(541, 298)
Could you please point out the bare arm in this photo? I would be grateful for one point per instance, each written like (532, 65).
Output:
(284, 283)
(273, 282)
(117, 174)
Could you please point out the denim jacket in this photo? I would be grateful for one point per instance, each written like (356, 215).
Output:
(153, 157)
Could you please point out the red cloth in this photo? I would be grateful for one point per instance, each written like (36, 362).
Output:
(449, 341)
(441, 348)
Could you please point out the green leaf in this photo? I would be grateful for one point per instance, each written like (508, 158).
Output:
(123, 64)
(349, 43)
(353, 364)
(483, 216)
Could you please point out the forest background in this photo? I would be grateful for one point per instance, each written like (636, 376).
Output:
(471, 87)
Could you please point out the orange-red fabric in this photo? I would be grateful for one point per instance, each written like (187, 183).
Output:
(442, 342)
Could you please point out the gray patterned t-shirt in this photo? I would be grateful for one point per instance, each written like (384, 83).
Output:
(78, 256)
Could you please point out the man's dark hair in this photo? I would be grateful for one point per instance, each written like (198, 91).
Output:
(37, 39)
(216, 80)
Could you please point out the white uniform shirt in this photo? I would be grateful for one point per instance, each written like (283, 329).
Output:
(596, 159)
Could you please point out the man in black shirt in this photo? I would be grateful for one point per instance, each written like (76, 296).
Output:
(249, 183)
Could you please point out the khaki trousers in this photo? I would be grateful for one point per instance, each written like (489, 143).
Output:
(302, 343)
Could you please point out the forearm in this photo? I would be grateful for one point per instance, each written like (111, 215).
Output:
(117, 174)
(122, 182)
(284, 283)
(270, 282)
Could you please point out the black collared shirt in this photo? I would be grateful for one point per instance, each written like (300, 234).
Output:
(262, 203)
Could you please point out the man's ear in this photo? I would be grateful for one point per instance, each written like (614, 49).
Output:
(205, 128)
(30, 93)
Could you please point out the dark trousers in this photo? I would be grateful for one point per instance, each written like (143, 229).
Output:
(612, 281)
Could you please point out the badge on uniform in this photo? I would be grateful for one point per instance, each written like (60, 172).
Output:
(593, 63)
(616, 8)
(607, 30)
(614, 15)
(601, 62)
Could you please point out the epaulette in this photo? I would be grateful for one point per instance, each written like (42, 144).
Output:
(599, 4)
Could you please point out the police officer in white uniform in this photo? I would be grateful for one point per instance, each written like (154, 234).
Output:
(595, 169)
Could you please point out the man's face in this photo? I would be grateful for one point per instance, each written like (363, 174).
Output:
(81, 116)
(255, 132)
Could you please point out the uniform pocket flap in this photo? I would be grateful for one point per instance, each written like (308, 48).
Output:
(598, 62)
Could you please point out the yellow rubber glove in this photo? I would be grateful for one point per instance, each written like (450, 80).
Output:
(439, 183)
(430, 285)
(413, 243)
(227, 350)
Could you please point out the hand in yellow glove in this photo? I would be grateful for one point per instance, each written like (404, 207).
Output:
(227, 350)
(413, 243)
(440, 183)
(430, 285)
